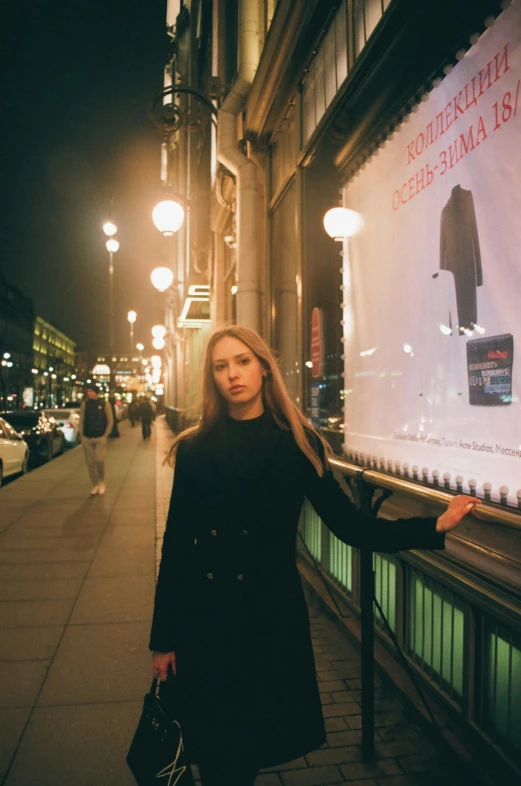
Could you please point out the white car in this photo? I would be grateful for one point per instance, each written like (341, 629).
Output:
(14, 453)
(67, 421)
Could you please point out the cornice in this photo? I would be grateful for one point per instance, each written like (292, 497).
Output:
(296, 27)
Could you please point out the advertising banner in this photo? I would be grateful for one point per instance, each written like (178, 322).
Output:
(432, 316)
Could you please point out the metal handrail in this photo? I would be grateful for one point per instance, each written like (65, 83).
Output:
(488, 513)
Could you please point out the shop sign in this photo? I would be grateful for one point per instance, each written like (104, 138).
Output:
(317, 343)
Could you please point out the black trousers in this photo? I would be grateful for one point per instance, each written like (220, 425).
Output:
(146, 428)
(227, 775)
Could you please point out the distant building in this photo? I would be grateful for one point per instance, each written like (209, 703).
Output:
(54, 362)
(81, 363)
(16, 344)
(132, 375)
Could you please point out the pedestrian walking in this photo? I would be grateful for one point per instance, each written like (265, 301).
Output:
(114, 432)
(132, 412)
(94, 427)
(230, 617)
(146, 416)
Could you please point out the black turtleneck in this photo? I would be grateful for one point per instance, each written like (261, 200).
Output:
(246, 441)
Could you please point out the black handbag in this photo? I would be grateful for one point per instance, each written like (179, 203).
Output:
(156, 754)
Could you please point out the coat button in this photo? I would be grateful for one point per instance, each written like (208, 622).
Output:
(245, 532)
(209, 575)
(240, 576)
(213, 532)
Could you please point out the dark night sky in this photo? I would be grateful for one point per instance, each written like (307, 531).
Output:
(78, 76)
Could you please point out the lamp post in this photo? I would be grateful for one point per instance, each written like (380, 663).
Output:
(112, 245)
(341, 223)
(131, 316)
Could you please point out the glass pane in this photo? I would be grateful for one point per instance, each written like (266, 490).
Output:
(308, 107)
(341, 44)
(330, 65)
(320, 85)
(373, 14)
(359, 24)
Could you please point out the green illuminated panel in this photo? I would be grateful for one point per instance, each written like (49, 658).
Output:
(436, 633)
(385, 587)
(341, 562)
(311, 530)
(503, 687)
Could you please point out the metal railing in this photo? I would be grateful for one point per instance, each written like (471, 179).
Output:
(460, 633)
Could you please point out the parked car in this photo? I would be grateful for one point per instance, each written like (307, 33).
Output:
(44, 438)
(67, 421)
(14, 452)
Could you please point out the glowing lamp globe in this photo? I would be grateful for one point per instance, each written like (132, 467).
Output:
(162, 278)
(112, 245)
(168, 217)
(109, 228)
(156, 361)
(159, 331)
(131, 316)
(158, 343)
(339, 222)
(140, 347)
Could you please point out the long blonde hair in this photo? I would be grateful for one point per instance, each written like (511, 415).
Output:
(274, 393)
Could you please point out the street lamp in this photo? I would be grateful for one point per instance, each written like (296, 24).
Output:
(131, 316)
(109, 228)
(168, 217)
(159, 331)
(158, 343)
(162, 278)
(340, 222)
(112, 246)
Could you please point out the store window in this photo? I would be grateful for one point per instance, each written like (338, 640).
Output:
(328, 70)
(367, 14)
(323, 387)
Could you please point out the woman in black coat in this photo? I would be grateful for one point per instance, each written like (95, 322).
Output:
(230, 616)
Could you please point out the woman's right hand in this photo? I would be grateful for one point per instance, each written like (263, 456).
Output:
(160, 663)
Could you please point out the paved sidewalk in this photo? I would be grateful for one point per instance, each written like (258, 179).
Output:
(76, 589)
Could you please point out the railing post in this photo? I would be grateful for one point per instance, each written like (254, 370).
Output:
(367, 633)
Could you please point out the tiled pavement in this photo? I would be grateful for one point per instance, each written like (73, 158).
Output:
(76, 588)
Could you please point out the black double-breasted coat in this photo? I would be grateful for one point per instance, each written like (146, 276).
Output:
(229, 600)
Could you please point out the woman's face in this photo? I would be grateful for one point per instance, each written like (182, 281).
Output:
(238, 375)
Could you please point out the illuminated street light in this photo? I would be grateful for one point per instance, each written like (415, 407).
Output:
(156, 361)
(158, 343)
(339, 223)
(109, 228)
(131, 316)
(168, 217)
(162, 278)
(112, 245)
(159, 331)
